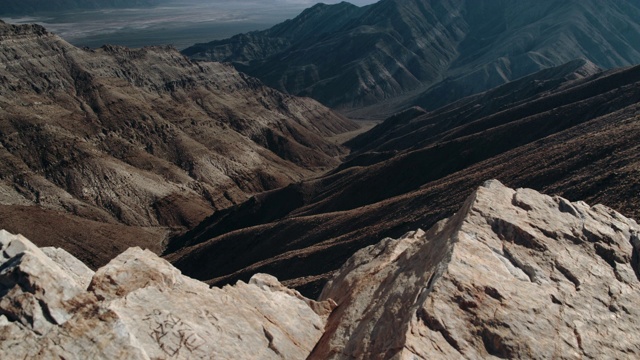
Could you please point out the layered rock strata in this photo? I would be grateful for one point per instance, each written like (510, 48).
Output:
(137, 144)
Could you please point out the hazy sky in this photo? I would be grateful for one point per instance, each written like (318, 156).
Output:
(178, 22)
(310, 2)
(290, 2)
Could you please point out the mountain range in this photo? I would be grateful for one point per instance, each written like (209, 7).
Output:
(568, 130)
(140, 142)
(376, 60)
(199, 161)
(398, 232)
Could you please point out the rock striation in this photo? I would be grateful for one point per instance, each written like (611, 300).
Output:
(513, 274)
(140, 307)
(554, 132)
(143, 140)
(427, 52)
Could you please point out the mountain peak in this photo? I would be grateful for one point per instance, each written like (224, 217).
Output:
(7, 29)
(382, 52)
(471, 285)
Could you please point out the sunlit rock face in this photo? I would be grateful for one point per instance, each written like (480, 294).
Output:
(514, 274)
(140, 307)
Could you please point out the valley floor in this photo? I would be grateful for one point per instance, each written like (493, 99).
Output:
(365, 125)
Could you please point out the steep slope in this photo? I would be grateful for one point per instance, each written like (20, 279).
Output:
(373, 56)
(144, 137)
(427, 52)
(308, 27)
(513, 274)
(525, 38)
(577, 140)
(414, 128)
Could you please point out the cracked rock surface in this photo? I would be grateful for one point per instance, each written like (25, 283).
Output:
(514, 274)
(140, 307)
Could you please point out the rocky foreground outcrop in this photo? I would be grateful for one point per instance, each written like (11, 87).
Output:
(513, 274)
(140, 307)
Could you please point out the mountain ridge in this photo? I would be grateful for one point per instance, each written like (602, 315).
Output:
(144, 137)
(411, 52)
(560, 141)
(468, 287)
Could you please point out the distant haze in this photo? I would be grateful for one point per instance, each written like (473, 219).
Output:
(177, 23)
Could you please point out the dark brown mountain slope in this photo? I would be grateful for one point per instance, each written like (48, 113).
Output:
(578, 140)
(409, 129)
(144, 137)
(399, 53)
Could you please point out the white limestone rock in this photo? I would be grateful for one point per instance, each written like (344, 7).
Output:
(34, 290)
(140, 307)
(514, 274)
(72, 266)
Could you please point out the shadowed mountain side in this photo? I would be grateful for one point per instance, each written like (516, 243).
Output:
(96, 243)
(410, 128)
(311, 24)
(427, 52)
(374, 55)
(581, 148)
(146, 137)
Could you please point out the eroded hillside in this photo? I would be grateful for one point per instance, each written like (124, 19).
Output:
(142, 138)
(575, 137)
(379, 59)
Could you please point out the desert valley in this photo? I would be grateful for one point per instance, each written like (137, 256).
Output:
(404, 179)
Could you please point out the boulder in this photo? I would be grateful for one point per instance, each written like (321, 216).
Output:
(140, 307)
